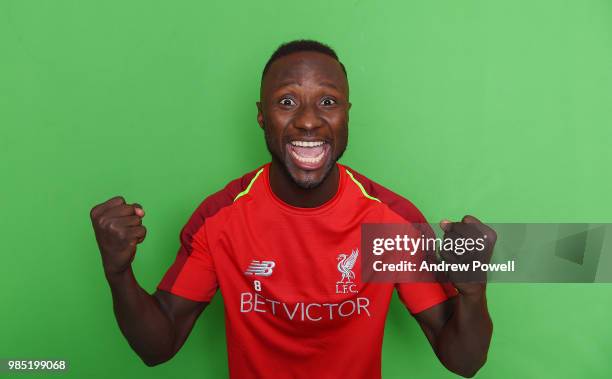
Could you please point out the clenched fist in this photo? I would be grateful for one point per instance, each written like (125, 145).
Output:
(118, 227)
(482, 242)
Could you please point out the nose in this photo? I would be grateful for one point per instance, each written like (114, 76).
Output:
(308, 118)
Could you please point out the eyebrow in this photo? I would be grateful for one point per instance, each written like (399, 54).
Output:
(295, 83)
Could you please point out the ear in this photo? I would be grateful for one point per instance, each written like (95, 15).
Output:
(348, 108)
(260, 119)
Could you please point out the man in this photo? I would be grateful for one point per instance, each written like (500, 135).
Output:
(282, 242)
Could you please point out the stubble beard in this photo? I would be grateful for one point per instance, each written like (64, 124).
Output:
(309, 182)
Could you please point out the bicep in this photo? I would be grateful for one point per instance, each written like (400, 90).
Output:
(182, 313)
(433, 319)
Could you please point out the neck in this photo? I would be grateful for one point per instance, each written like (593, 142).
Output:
(289, 192)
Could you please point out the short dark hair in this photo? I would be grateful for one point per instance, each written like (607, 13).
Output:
(299, 46)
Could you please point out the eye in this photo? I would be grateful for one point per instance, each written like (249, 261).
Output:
(286, 101)
(328, 101)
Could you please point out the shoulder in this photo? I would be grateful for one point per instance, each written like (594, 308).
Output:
(396, 203)
(220, 200)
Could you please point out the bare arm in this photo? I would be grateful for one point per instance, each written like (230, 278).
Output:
(459, 331)
(155, 326)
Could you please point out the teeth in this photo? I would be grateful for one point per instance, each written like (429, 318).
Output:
(316, 159)
(307, 144)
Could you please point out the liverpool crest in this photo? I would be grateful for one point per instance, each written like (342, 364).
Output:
(345, 267)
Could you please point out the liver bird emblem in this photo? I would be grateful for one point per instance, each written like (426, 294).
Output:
(345, 266)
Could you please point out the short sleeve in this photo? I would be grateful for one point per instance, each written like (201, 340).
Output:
(192, 275)
(420, 296)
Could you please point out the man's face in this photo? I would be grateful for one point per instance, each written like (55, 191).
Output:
(304, 113)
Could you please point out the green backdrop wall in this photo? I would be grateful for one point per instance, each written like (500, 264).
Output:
(500, 109)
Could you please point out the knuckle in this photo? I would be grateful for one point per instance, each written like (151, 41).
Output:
(104, 222)
(121, 234)
(112, 226)
(120, 198)
(123, 208)
(493, 235)
(490, 232)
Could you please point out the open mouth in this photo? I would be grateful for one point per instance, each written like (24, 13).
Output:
(308, 155)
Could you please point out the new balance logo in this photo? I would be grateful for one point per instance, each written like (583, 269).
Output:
(260, 268)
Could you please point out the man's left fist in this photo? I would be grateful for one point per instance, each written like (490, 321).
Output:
(472, 241)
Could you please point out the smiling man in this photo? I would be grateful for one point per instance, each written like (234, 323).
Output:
(281, 243)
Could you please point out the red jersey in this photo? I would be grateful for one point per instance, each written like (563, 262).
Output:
(295, 305)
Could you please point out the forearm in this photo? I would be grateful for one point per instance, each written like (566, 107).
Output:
(142, 321)
(463, 343)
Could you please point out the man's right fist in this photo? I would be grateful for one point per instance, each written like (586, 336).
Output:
(118, 227)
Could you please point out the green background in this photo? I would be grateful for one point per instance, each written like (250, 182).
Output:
(500, 109)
